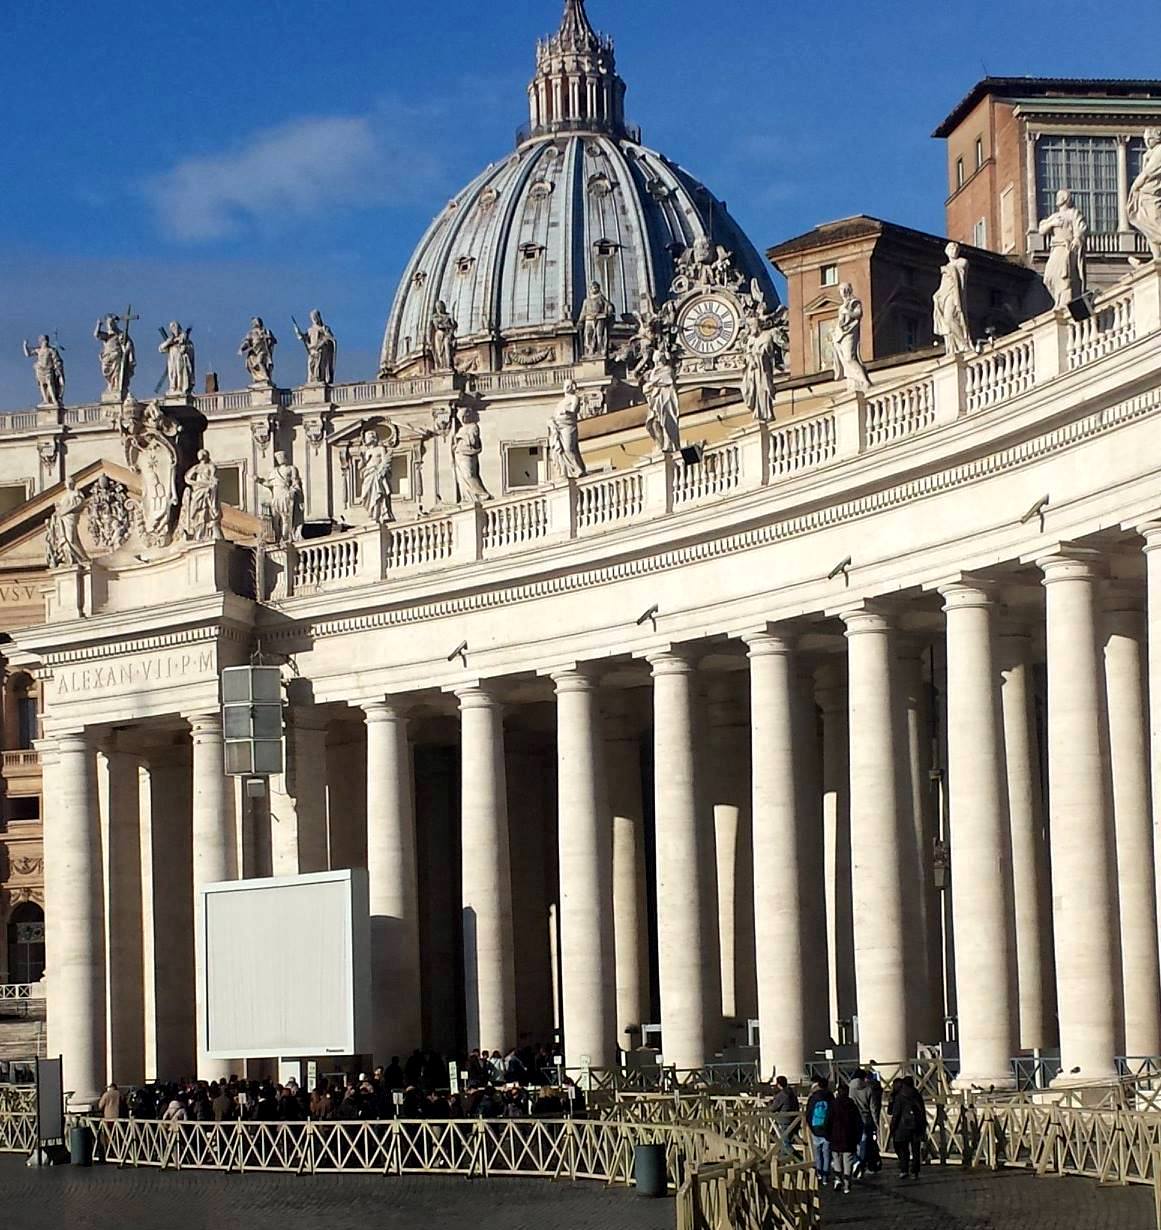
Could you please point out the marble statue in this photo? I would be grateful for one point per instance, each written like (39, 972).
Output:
(375, 467)
(466, 447)
(1067, 232)
(648, 336)
(110, 513)
(442, 337)
(201, 506)
(662, 420)
(848, 328)
(284, 499)
(564, 435)
(1144, 206)
(950, 304)
(118, 356)
(62, 538)
(257, 350)
(597, 316)
(151, 453)
(177, 346)
(762, 351)
(320, 346)
(48, 367)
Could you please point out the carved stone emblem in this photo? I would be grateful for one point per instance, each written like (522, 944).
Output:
(110, 512)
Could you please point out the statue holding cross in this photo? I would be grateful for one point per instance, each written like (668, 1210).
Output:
(118, 354)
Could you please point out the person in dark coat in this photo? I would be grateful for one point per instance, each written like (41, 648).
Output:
(908, 1126)
(846, 1130)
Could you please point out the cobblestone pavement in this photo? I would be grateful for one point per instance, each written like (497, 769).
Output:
(104, 1198)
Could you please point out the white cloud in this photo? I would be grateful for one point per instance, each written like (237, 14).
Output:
(296, 170)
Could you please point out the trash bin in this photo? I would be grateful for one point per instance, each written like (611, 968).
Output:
(81, 1145)
(649, 1170)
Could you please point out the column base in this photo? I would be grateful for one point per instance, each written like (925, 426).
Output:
(1086, 1076)
(965, 1084)
(82, 1102)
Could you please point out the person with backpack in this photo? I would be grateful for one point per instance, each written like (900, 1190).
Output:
(818, 1110)
(908, 1126)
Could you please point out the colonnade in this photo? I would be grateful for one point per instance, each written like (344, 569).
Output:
(892, 755)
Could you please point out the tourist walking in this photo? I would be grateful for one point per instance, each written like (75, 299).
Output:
(846, 1131)
(908, 1126)
(867, 1095)
(818, 1108)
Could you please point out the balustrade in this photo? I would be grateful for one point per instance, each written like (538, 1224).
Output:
(718, 473)
(324, 563)
(802, 446)
(900, 412)
(418, 544)
(512, 525)
(1004, 371)
(1111, 327)
(609, 500)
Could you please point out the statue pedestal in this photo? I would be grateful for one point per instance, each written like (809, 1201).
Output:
(592, 369)
(316, 394)
(264, 395)
(178, 401)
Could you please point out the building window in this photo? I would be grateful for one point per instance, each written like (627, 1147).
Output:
(1136, 151)
(525, 465)
(910, 329)
(824, 345)
(230, 485)
(402, 487)
(12, 495)
(980, 233)
(830, 275)
(959, 173)
(1008, 219)
(26, 943)
(23, 693)
(979, 152)
(1087, 167)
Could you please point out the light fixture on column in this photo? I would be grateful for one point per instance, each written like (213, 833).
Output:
(841, 569)
(461, 652)
(649, 616)
(1037, 510)
(252, 720)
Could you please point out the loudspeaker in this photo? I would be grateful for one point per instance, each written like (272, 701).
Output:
(691, 455)
(1082, 308)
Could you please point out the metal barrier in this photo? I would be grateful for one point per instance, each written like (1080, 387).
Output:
(17, 1099)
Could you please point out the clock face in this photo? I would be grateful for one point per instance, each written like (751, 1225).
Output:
(709, 326)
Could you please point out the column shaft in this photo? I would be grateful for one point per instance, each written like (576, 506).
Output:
(75, 918)
(214, 852)
(876, 847)
(1133, 825)
(298, 799)
(1032, 896)
(393, 884)
(779, 939)
(585, 856)
(684, 953)
(489, 972)
(1088, 989)
(980, 843)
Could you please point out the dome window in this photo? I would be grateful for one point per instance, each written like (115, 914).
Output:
(419, 278)
(605, 248)
(659, 191)
(541, 190)
(464, 264)
(531, 251)
(488, 198)
(600, 186)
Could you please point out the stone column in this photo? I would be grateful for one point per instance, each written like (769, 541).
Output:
(126, 964)
(585, 858)
(1087, 986)
(876, 848)
(298, 798)
(489, 972)
(684, 955)
(729, 773)
(1032, 896)
(1152, 536)
(779, 939)
(171, 863)
(980, 842)
(630, 904)
(811, 857)
(75, 917)
(214, 851)
(831, 695)
(393, 883)
(1124, 632)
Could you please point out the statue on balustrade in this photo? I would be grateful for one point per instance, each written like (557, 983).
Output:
(320, 346)
(177, 346)
(118, 356)
(201, 505)
(466, 447)
(48, 367)
(62, 537)
(442, 338)
(950, 304)
(564, 435)
(597, 316)
(150, 451)
(1145, 194)
(375, 466)
(651, 329)
(662, 419)
(847, 339)
(763, 353)
(284, 500)
(1067, 232)
(257, 351)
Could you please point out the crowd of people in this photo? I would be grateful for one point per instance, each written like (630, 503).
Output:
(520, 1084)
(844, 1126)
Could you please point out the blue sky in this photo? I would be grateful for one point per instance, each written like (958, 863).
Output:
(215, 160)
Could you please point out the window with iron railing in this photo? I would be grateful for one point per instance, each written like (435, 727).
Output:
(1087, 167)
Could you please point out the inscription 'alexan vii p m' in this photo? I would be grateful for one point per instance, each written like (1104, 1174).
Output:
(155, 670)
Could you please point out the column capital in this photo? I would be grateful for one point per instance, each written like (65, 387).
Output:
(672, 660)
(968, 593)
(477, 695)
(74, 741)
(865, 620)
(1071, 564)
(767, 643)
(389, 709)
(1150, 531)
(205, 726)
(582, 677)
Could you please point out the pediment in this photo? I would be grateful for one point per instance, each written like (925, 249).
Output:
(822, 303)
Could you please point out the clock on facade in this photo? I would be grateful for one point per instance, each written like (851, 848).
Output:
(709, 326)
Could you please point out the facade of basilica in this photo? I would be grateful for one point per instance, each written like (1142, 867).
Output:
(672, 702)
